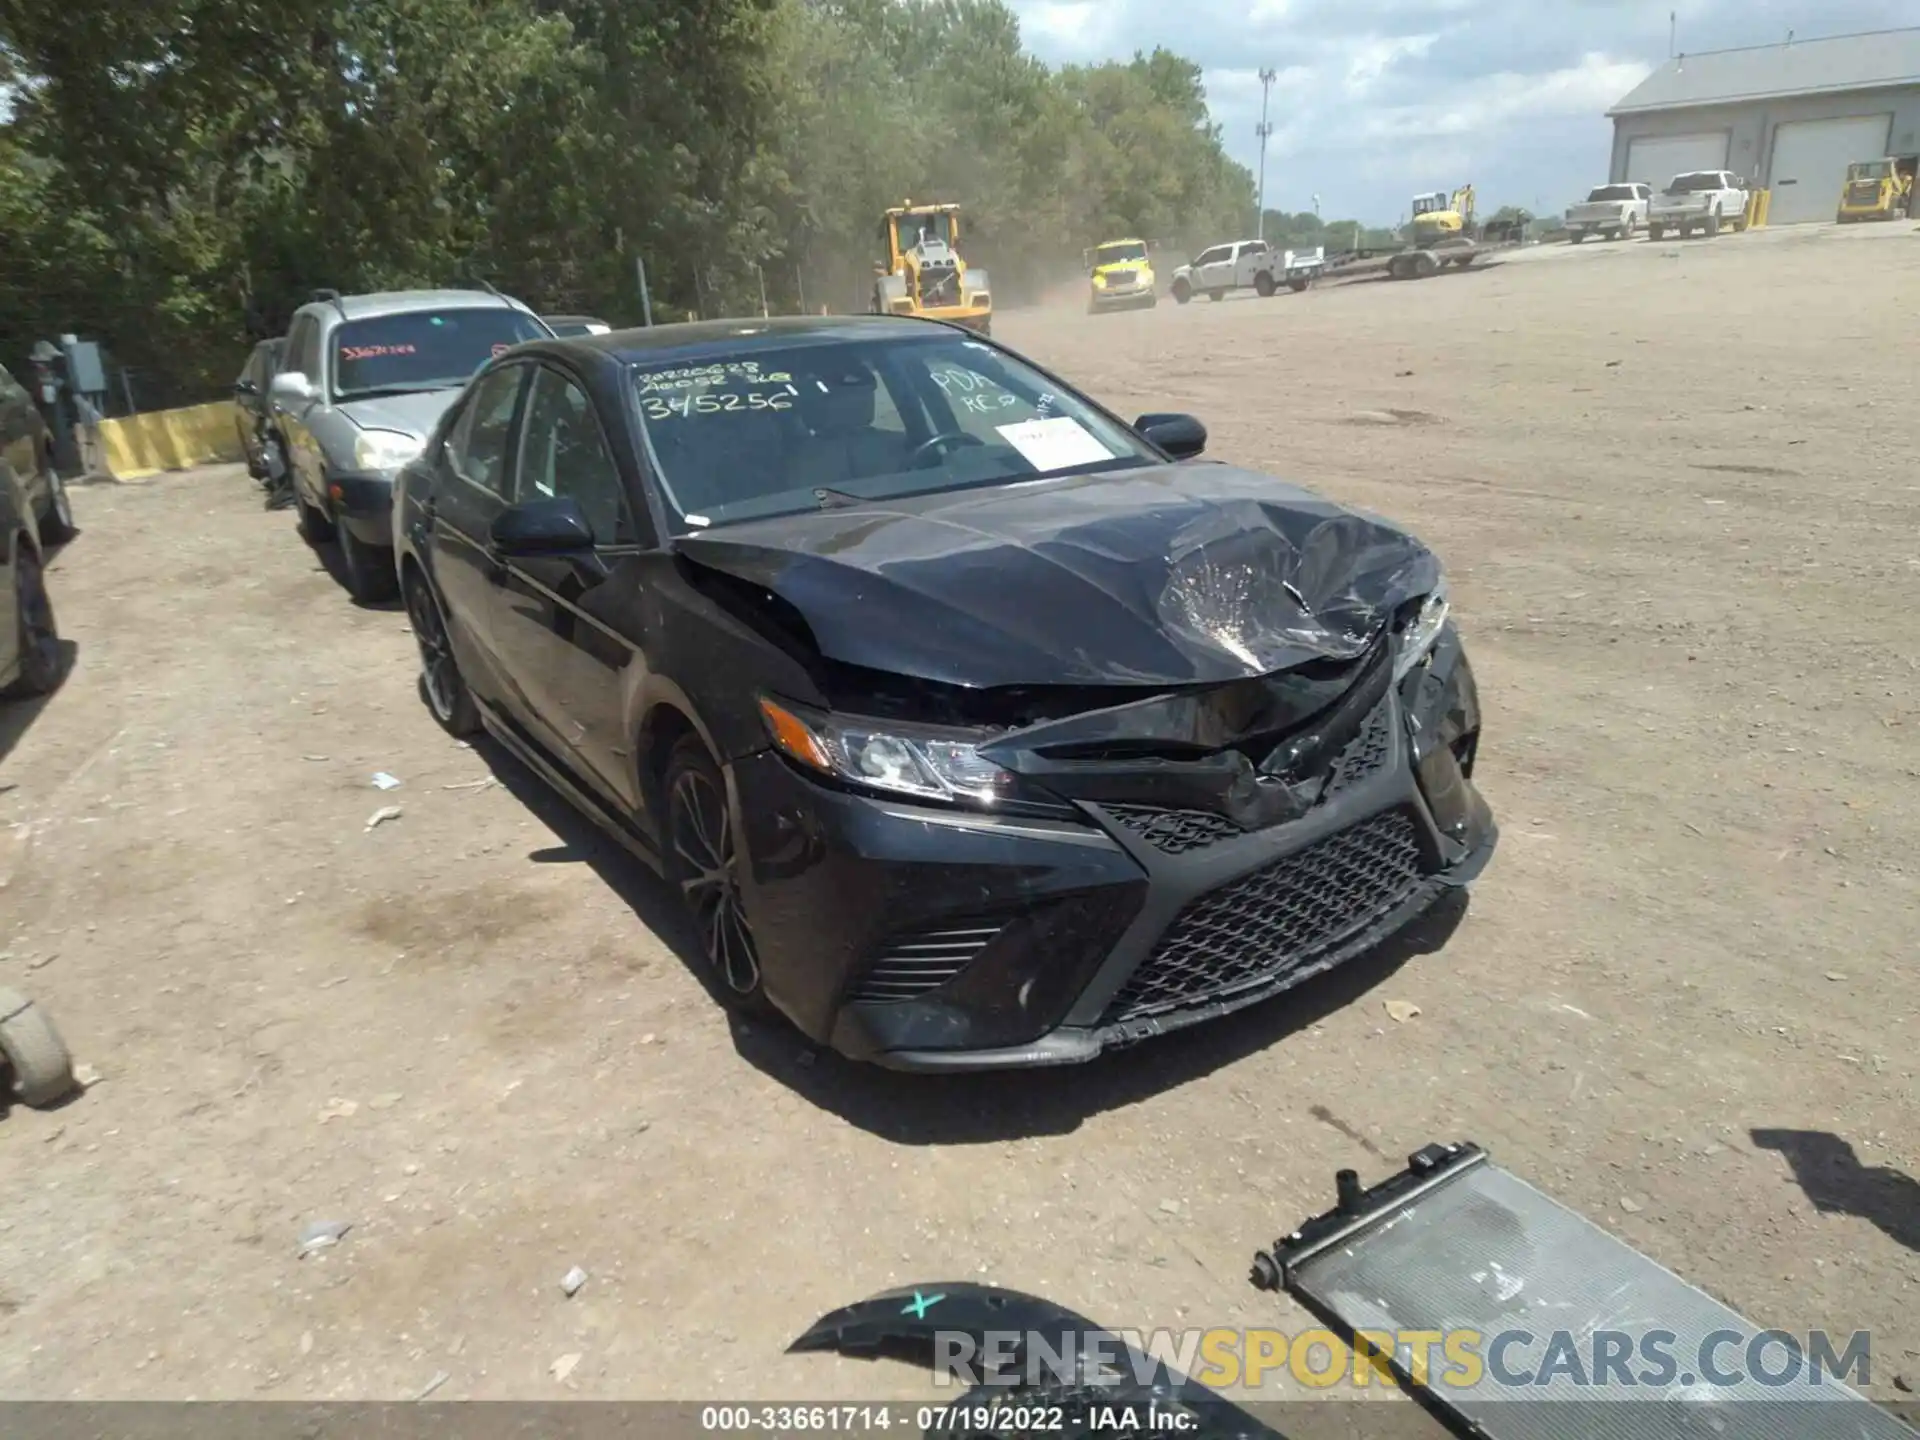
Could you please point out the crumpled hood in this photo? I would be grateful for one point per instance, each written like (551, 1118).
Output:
(414, 414)
(1169, 575)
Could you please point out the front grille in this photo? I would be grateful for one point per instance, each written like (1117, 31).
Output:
(1276, 921)
(1174, 831)
(1867, 194)
(1365, 754)
(914, 964)
(939, 285)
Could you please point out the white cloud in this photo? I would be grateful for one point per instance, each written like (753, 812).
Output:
(1379, 99)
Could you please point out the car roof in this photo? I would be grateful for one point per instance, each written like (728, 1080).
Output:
(401, 302)
(1128, 241)
(651, 345)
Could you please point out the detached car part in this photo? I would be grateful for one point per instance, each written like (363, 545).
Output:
(1454, 1243)
(1451, 1244)
(38, 1069)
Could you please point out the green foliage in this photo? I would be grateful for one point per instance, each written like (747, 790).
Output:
(180, 199)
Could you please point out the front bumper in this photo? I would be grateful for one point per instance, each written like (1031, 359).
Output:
(1112, 299)
(925, 939)
(363, 502)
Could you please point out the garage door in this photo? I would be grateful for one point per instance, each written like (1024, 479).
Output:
(1656, 159)
(1810, 159)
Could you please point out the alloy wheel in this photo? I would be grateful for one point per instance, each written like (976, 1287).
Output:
(439, 672)
(703, 847)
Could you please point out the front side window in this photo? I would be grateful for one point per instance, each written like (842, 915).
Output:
(422, 349)
(825, 424)
(563, 451)
(477, 449)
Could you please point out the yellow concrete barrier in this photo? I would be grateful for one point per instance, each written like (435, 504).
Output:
(1758, 203)
(143, 445)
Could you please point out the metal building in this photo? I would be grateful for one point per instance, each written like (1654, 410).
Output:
(1790, 117)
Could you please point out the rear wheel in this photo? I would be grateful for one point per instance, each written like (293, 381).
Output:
(1182, 292)
(704, 863)
(369, 568)
(441, 684)
(1712, 228)
(1263, 284)
(36, 634)
(1574, 237)
(1656, 232)
(1216, 295)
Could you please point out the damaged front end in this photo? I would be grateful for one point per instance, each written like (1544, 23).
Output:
(1261, 766)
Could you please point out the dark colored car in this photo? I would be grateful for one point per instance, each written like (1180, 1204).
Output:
(569, 326)
(26, 447)
(30, 657)
(974, 727)
(252, 414)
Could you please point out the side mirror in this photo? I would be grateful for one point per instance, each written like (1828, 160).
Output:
(245, 387)
(541, 527)
(291, 387)
(1181, 436)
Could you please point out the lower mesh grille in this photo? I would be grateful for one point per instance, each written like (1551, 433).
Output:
(1277, 920)
(925, 960)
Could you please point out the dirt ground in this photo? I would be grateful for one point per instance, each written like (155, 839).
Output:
(1678, 491)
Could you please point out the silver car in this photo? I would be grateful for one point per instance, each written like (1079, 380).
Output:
(363, 381)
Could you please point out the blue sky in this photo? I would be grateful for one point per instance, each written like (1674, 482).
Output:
(1379, 99)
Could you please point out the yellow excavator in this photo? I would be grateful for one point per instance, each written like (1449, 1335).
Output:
(1439, 216)
(923, 273)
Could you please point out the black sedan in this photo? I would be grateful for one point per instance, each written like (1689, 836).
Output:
(30, 654)
(975, 726)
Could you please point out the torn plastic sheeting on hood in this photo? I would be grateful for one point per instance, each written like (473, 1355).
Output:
(1161, 576)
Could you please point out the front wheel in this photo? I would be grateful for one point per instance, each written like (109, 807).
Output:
(442, 685)
(1656, 232)
(1574, 237)
(1182, 292)
(1216, 294)
(370, 576)
(38, 637)
(704, 864)
(1712, 228)
(33, 1051)
(1263, 284)
(56, 526)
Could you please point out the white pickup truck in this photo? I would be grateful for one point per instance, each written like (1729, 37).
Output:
(1246, 265)
(1703, 200)
(1616, 211)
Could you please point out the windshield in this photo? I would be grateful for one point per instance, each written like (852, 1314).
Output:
(812, 426)
(1611, 192)
(1690, 184)
(423, 349)
(1870, 170)
(909, 229)
(1117, 254)
(1427, 204)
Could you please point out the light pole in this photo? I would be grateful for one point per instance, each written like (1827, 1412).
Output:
(1267, 77)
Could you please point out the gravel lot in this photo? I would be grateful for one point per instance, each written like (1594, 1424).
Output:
(1677, 488)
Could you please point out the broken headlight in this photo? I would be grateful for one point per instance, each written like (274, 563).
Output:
(1419, 632)
(886, 755)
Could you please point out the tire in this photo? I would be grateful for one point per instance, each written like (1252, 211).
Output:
(1656, 232)
(703, 865)
(314, 527)
(1216, 295)
(38, 636)
(1299, 283)
(442, 686)
(1182, 292)
(370, 573)
(1263, 285)
(1712, 228)
(41, 1070)
(56, 526)
(1574, 237)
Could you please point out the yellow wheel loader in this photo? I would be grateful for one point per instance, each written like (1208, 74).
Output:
(1878, 190)
(923, 273)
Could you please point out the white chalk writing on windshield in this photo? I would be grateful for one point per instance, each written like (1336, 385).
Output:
(715, 402)
(973, 390)
(693, 377)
